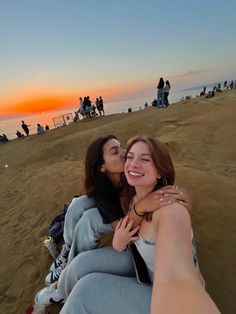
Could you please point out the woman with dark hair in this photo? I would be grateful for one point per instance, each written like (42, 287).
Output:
(160, 87)
(166, 91)
(90, 216)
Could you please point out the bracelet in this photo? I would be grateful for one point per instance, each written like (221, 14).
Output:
(137, 212)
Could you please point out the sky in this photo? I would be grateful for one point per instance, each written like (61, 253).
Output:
(54, 51)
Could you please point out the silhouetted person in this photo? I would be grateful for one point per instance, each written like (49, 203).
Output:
(3, 138)
(25, 128)
(76, 117)
(160, 92)
(47, 128)
(101, 105)
(40, 129)
(166, 91)
(154, 103)
(19, 134)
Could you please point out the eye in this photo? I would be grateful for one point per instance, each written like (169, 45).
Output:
(115, 152)
(145, 160)
(129, 157)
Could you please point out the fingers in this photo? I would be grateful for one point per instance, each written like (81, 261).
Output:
(136, 229)
(124, 221)
(118, 225)
(134, 239)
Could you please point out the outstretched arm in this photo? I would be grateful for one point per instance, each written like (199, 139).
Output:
(176, 288)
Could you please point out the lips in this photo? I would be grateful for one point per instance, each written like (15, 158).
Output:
(135, 174)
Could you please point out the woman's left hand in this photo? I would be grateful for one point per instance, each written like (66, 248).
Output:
(124, 234)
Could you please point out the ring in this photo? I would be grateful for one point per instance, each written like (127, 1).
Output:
(161, 199)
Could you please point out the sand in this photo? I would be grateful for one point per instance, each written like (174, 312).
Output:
(45, 171)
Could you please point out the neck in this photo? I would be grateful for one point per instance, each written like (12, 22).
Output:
(115, 178)
(141, 192)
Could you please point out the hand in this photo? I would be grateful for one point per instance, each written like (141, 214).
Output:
(153, 201)
(176, 194)
(124, 234)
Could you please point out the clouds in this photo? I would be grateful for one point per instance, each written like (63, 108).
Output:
(193, 73)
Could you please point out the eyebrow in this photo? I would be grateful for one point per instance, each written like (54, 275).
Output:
(140, 154)
(114, 147)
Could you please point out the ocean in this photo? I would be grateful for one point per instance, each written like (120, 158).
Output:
(10, 126)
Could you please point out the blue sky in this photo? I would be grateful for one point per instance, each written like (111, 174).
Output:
(61, 49)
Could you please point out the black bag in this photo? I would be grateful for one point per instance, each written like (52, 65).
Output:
(56, 227)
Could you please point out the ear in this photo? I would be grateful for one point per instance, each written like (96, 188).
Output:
(102, 168)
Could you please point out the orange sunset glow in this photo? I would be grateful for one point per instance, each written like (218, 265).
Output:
(33, 103)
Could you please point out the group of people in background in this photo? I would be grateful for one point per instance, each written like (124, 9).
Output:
(163, 89)
(25, 127)
(87, 109)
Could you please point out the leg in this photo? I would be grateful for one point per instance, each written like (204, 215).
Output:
(101, 293)
(74, 213)
(105, 260)
(87, 232)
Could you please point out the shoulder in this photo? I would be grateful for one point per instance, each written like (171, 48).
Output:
(172, 214)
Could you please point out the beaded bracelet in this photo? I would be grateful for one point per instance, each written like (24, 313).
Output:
(137, 212)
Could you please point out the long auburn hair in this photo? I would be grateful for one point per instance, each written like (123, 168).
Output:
(162, 162)
(94, 178)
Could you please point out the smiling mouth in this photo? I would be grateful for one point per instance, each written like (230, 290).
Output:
(135, 174)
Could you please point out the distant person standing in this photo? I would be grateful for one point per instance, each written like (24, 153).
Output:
(160, 92)
(97, 103)
(25, 128)
(166, 91)
(101, 105)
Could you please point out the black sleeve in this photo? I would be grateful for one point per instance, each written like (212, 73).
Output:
(109, 208)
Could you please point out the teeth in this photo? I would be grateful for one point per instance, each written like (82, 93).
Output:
(135, 174)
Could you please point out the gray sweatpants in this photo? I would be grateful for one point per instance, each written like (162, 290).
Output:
(83, 226)
(103, 281)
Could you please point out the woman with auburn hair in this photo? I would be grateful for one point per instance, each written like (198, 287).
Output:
(107, 275)
(97, 212)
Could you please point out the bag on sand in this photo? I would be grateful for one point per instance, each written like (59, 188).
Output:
(55, 229)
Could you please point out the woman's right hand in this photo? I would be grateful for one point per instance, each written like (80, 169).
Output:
(124, 234)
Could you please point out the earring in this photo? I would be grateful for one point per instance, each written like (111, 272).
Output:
(164, 182)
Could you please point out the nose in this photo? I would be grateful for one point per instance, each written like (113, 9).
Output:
(122, 152)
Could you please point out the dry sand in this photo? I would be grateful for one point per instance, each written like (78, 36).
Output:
(45, 171)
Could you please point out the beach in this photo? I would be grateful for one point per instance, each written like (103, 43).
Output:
(40, 173)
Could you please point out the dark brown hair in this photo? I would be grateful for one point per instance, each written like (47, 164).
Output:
(93, 162)
(162, 162)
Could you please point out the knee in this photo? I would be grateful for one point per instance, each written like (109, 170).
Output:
(78, 206)
(91, 217)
